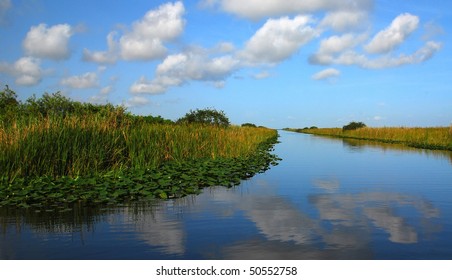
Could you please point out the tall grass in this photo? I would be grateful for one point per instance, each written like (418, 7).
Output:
(427, 137)
(77, 145)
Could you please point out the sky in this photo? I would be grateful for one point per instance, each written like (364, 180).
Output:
(291, 63)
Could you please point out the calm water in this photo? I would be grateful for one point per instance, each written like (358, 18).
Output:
(327, 199)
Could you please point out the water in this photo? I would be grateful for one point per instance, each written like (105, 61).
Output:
(327, 199)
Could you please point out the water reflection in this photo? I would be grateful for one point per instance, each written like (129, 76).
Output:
(355, 145)
(341, 226)
(282, 214)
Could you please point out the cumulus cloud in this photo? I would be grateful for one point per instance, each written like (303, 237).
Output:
(104, 57)
(394, 35)
(423, 54)
(335, 45)
(256, 9)
(146, 39)
(86, 80)
(343, 50)
(195, 64)
(26, 71)
(326, 74)
(48, 42)
(346, 20)
(278, 39)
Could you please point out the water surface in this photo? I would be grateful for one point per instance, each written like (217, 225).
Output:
(327, 199)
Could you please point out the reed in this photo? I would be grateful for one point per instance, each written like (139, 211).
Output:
(77, 145)
(420, 137)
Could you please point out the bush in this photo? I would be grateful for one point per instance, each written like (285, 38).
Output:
(9, 106)
(353, 126)
(249, 125)
(205, 116)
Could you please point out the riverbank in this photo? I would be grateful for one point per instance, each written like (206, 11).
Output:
(154, 162)
(55, 152)
(435, 138)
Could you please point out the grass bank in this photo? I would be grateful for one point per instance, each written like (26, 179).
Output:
(62, 161)
(437, 138)
(55, 152)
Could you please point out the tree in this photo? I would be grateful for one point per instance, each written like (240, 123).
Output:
(353, 126)
(9, 106)
(8, 100)
(205, 116)
(249, 125)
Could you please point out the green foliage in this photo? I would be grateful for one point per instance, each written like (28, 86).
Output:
(169, 180)
(137, 120)
(55, 151)
(206, 117)
(8, 99)
(353, 126)
(8, 106)
(249, 125)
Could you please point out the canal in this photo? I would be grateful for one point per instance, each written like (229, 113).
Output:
(327, 199)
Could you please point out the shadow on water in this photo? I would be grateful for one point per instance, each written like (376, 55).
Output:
(311, 206)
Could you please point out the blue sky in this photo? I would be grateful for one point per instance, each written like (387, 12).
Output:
(292, 63)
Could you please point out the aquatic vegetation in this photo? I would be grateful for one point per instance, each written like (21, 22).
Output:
(56, 151)
(168, 180)
(438, 138)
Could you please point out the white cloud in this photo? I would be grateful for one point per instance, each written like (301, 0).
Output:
(394, 35)
(334, 45)
(136, 48)
(337, 44)
(378, 118)
(48, 42)
(224, 47)
(26, 70)
(256, 9)
(104, 57)
(342, 50)
(145, 40)
(87, 80)
(277, 40)
(423, 54)
(106, 90)
(326, 74)
(144, 85)
(261, 75)
(345, 20)
(137, 101)
(196, 64)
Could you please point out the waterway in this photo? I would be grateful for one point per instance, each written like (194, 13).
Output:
(327, 199)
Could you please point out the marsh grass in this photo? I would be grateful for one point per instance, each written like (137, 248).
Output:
(55, 152)
(75, 146)
(429, 137)
(56, 162)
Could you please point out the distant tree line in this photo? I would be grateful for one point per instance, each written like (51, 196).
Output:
(56, 105)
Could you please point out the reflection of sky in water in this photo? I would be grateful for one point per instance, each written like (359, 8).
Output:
(324, 201)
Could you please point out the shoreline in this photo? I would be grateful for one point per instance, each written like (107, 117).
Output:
(411, 137)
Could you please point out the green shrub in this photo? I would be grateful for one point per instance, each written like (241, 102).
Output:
(249, 125)
(205, 116)
(353, 126)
